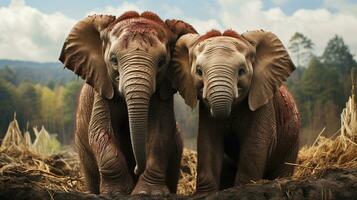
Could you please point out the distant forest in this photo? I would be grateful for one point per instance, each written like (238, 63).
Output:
(46, 94)
(41, 94)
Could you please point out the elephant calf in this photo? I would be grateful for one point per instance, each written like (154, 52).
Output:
(248, 122)
(125, 117)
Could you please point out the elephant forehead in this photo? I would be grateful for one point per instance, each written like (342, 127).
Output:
(221, 59)
(139, 28)
(225, 43)
(219, 49)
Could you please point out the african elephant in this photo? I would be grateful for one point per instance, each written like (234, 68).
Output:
(125, 118)
(248, 121)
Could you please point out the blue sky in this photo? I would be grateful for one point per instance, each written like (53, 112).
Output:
(196, 8)
(35, 29)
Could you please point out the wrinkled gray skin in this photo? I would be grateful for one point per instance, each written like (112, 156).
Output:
(124, 62)
(248, 122)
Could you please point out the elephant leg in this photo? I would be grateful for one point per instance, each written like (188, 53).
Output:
(229, 170)
(89, 168)
(173, 169)
(209, 151)
(87, 160)
(281, 169)
(252, 160)
(256, 146)
(160, 142)
(114, 175)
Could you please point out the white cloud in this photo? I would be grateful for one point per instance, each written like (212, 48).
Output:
(342, 6)
(28, 34)
(319, 25)
(202, 26)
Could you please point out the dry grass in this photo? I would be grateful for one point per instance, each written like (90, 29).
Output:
(20, 163)
(187, 181)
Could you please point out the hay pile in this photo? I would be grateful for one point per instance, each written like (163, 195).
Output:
(187, 179)
(25, 163)
(338, 151)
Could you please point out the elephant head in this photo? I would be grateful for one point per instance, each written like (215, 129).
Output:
(125, 56)
(224, 69)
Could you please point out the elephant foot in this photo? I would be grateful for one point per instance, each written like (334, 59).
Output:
(144, 187)
(113, 190)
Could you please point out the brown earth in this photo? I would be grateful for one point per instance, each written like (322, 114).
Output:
(26, 175)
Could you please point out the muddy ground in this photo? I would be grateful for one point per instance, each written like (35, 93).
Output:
(27, 175)
(333, 184)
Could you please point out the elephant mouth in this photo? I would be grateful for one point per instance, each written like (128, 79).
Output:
(220, 100)
(221, 112)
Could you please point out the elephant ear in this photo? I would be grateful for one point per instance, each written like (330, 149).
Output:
(180, 69)
(82, 53)
(271, 67)
(177, 28)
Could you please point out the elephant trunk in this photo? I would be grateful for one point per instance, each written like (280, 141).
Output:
(220, 91)
(138, 86)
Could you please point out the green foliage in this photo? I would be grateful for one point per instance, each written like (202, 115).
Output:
(27, 102)
(319, 86)
(320, 83)
(37, 91)
(338, 56)
(69, 99)
(37, 105)
(7, 105)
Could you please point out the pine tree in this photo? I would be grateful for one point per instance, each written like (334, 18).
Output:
(337, 56)
(302, 48)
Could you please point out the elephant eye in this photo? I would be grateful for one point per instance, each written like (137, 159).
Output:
(241, 71)
(199, 71)
(161, 63)
(114, 60)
